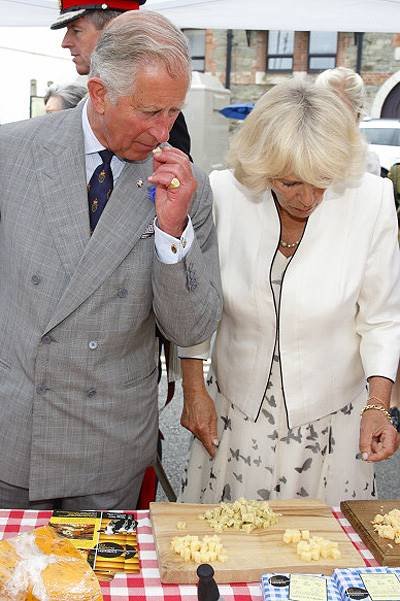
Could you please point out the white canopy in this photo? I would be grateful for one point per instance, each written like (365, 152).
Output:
(298, 15)
(315, 15)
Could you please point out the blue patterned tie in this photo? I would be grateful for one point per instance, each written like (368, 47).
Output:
(100, 188)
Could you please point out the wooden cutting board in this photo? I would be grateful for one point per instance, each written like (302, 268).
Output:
(360, 515)
(250, 555)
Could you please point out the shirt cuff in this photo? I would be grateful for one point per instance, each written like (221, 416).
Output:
(198, 351)
(172, 250)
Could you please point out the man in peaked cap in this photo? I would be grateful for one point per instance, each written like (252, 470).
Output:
(85, 20)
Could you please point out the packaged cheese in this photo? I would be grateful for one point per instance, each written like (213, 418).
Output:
(41, 566)
(106, 538)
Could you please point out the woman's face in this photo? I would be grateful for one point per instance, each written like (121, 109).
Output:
(297, 198)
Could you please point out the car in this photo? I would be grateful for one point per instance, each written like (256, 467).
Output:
(383, 137)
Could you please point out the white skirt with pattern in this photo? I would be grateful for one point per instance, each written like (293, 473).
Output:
(266, 460)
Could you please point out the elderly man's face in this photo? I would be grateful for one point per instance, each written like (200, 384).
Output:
(134, 125)
(80, 39)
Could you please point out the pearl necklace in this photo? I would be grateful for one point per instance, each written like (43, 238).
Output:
(288, 244)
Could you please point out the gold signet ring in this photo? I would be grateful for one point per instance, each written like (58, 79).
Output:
(175, 183)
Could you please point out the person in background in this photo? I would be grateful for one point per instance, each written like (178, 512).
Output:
(297, 398)
(58, 98)
(394, 176)
(84, 21)
(104, 232)
(350, 88)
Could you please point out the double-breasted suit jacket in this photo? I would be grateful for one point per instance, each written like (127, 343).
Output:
(78, 367)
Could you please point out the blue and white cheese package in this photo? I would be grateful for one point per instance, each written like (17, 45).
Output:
(350, 582)
(276, 587)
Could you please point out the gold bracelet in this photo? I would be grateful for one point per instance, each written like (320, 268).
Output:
(379, 408)
(377, 399)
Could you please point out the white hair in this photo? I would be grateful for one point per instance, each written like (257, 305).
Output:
(297, 129)
(70, 94)
(136, 39)
(348, 85)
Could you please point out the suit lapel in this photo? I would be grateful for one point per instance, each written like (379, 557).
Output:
(126, 217)
(60, 165)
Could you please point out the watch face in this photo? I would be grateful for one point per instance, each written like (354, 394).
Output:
(395, 415)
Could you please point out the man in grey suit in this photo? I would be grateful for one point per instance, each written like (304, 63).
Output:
(81, 289)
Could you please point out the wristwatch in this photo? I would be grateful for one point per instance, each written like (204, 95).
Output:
(395, 414)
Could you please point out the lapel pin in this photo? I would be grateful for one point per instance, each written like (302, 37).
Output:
(139, 183)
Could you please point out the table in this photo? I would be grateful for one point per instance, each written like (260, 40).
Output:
(147, 586)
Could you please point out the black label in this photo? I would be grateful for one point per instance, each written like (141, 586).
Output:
(279, 580)
(356, 593)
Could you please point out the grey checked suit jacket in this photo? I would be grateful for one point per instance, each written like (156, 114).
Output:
(78, 377)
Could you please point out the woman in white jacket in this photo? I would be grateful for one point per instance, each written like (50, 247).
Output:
(308, 346)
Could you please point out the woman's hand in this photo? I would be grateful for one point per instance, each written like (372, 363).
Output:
(378, 438)
(198, 415)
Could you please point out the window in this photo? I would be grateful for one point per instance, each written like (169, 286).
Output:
(280, 50)
(322, 50)
(197, 45)
(382, 136)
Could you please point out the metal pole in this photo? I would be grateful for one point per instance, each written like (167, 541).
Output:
(163, 480)
(359, 41)
(229, 43)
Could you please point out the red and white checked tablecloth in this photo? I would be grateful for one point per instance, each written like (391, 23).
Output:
(147, 586)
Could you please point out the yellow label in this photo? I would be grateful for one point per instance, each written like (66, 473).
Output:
(382, 587)
(307, 588)
(107, 538)
(83, 532)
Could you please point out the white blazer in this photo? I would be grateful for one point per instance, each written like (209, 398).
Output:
(339, 314)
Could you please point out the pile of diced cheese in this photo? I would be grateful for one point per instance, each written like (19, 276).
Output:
(388, 525)
(241, 515)
(311, 548)
(200, 550)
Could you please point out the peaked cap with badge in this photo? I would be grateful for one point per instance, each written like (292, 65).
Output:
(74, 9)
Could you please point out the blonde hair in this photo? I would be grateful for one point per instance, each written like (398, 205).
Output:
(348, 85)
(301, 130)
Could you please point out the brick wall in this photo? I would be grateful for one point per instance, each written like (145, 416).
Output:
(379, 61)
(249, 79)
(300, 51)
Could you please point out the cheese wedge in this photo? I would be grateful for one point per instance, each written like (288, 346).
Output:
(41, 566)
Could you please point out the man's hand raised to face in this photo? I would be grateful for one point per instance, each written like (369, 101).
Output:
(175, 186)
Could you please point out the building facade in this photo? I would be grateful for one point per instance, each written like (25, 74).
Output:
(250, 62)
